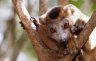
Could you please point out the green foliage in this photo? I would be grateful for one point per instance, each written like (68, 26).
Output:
(77, 3)
(94, 6)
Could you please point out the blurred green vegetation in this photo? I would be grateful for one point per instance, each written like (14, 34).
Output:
(93, 5)
(77, 3)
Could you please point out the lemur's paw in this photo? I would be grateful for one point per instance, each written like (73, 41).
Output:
(22, 25)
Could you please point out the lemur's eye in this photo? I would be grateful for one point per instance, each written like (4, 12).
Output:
(52, 30)
(66, 25)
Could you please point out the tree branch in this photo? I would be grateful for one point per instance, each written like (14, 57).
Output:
(84, 35)
(43, 5)
(25, 18)
(63, 2)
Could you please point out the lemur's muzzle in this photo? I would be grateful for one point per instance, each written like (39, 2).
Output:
(63, 43)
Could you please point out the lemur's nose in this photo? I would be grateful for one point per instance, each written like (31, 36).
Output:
(63, 40)
(63, 43)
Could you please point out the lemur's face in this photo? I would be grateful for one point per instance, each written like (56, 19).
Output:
(58, 27)
(60, 30)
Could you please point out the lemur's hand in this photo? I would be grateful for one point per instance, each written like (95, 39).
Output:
(78, 27)
(22, 25)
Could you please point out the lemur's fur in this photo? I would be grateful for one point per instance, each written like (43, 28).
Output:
(64, 22)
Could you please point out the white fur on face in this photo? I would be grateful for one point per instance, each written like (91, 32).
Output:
(60, 34)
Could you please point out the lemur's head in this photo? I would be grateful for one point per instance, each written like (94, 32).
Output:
(58, 27)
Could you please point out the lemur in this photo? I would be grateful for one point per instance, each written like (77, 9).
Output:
(63, 22)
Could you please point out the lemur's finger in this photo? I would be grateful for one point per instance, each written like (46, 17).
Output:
(34, 21)
(22, 25)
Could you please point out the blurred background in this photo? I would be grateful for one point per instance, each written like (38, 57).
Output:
(14, 42)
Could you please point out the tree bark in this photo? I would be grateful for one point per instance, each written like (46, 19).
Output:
(63, 2)
(9, 38)
(44, 53)
(43, 5)
(18, 46)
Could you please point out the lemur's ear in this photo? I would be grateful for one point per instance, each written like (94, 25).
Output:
(42, 19)
(69, 11)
